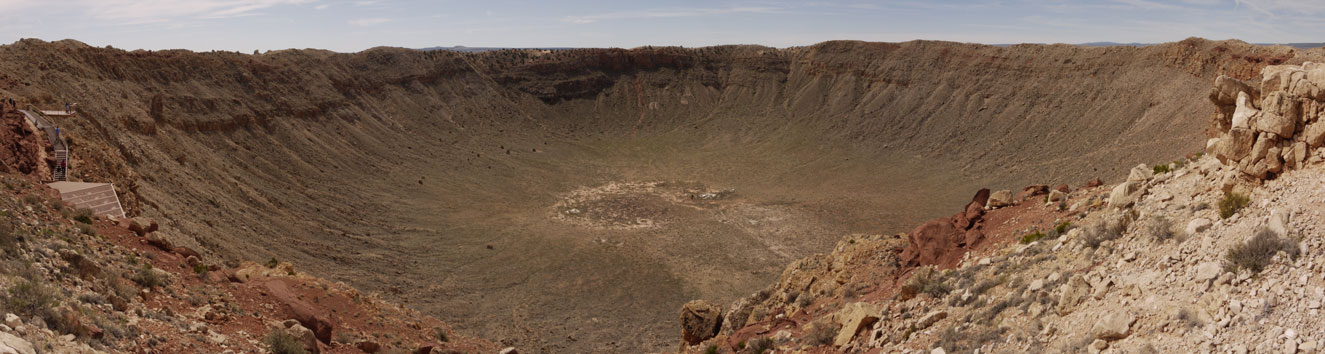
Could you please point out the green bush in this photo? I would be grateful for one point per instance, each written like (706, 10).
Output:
(1063, 227)
(272, 263)
(441, 335)
(760, 345)
(1158, 169)
(145, 277)
(1231, 203)
(1032, 237)
(1256, 253)
(280, 342)
(28, 298)
(84, 215)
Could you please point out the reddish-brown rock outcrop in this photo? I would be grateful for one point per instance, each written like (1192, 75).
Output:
(19, 144)
(943, 241)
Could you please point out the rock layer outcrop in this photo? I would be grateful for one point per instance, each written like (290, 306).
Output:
(1267, 127)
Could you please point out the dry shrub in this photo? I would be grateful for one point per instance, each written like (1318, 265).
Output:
(1161, 228)
(969, 340)
(280, 342)
(1256, 253)
(1102, 231)
(927, 280)
(1231, 203)
(822, 333)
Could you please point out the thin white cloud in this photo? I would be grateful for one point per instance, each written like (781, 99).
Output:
(1284, 7)
(367, 2)
(666, 13)
(369, 21)
(147, 11)
(322, 7)
(1149, 5)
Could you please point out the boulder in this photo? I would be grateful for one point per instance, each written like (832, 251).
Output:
(1278, 222)
(1114, 325)
(1264, 141)
(186, 252)
(1274, 124)
(1299, 153)
(853, 318)
(1063, 188)
(1242, 115)
(1124, 194)
(1207, 271)
(930, 319)
(1197, 225)
(1235, 145)
(1315, 134)
(1074, 292)
(699, 321)
(1140, 173)
(1094, 183)
(1226, 90)
(1280, 104)
(160, 242)
(1036, 285)
(142, 226)
(508, 350)
(369, 347)
(928, 243)
(1057, 196)
(303, 335)
(999, 199)
(306, 314)
(1032, 191)
(13, 344)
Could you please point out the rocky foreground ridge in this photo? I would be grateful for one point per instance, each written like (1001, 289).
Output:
(73, 282)
(1217, 252)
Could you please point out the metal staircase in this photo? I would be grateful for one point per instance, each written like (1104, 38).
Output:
(61, 172)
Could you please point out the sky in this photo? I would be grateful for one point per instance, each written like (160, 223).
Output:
(354, 25)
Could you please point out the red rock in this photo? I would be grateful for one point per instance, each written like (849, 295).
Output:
(973, 237)
(306, 314)
(944, 241)
(186, 252)
(974, 211)
(217, 276)
(1031, 191)
(142, 226)
(20, 144)
(159, 242)
(1063, 188)
(1094, 183)
(369, 347)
